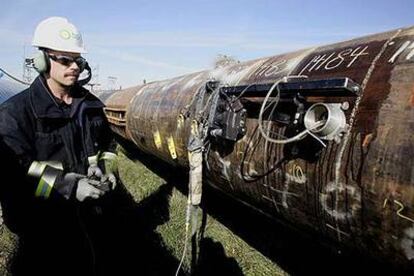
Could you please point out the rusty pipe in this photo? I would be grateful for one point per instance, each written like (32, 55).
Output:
(357, 190)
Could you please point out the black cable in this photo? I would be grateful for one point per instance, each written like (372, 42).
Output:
(88, 238)
(275, 166)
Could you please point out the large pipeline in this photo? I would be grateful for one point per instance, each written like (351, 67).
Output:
(348, 171)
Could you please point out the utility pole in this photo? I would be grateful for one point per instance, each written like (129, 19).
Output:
(112, 82)
(27, 67)
(95, 78)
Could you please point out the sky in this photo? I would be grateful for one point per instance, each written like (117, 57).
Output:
(129, 41)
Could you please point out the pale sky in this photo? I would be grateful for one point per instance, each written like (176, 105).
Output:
(154, 40)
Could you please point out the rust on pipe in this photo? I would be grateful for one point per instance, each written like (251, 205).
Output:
(358, 192)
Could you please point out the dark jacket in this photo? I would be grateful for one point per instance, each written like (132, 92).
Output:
(36, 129)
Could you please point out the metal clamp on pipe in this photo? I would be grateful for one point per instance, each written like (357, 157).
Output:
(228, 118)
(330, 119)
(293, 96)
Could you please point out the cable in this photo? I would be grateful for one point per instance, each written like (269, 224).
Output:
(295, 138)
(13, 77)
(187, 227)
(242, 93)
(250, 178)
(197, 94)
(262, 109)
(88, 238)
(317, 124)
(202, 127)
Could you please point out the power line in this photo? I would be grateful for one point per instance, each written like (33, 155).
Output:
(13, 77)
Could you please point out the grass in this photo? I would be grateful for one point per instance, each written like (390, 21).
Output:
(8, 242)
(221, 251)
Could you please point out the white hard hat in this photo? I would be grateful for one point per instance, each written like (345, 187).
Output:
(57, 33)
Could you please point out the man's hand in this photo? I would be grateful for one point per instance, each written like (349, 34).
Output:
(111, 178)
(94, 171)
(86, 190)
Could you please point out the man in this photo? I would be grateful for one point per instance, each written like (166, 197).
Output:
(63, 148)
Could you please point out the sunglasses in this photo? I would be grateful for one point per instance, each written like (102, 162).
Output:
(67, 61)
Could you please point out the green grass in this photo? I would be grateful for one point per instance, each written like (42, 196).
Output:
(8, 242)
(230, 255)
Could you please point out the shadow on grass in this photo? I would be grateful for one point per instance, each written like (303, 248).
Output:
(142, 247)
(212, 258)
(297, 253)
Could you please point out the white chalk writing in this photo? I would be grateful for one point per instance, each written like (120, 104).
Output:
(332, 193)
(407, 243)
(330, 61)
(296, 175)
(399, 51)
(401, 206)
(272, 69)
(407, 45)
(411, 54)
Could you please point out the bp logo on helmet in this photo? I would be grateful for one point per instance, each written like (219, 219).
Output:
(65, 34)
(58, 33)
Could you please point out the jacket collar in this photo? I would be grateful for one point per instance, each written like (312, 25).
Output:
(44, 104)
